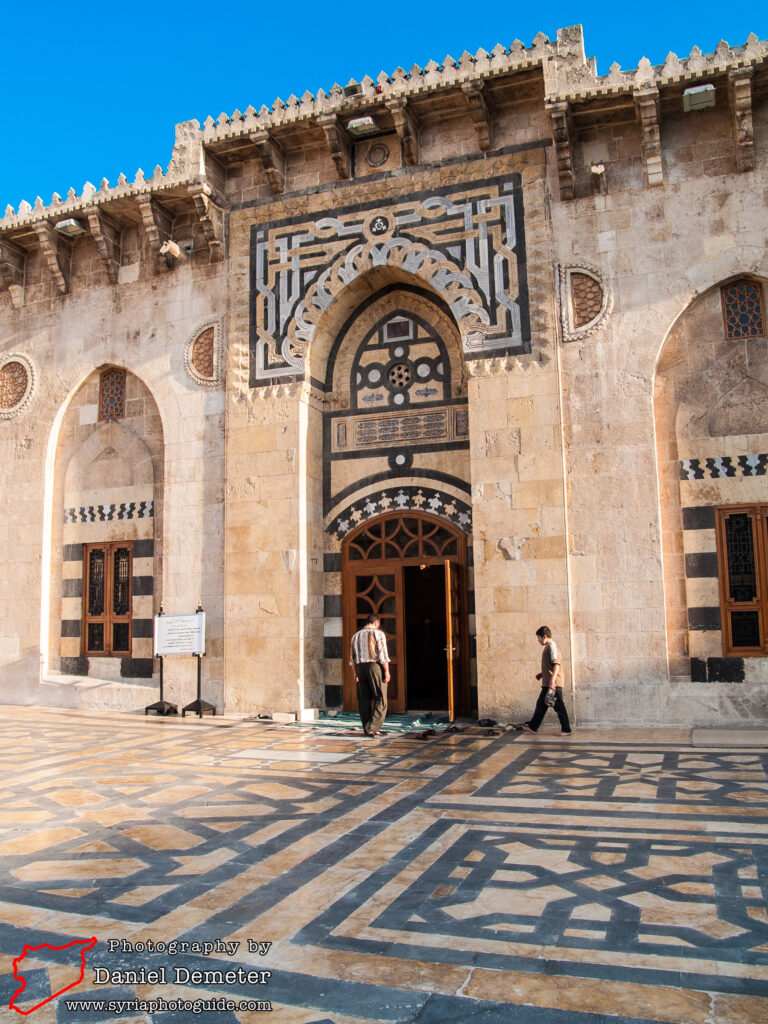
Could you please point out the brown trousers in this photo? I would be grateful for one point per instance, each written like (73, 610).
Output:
(371, 695)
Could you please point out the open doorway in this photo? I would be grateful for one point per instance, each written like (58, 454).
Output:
(409, 569)
(425, 637)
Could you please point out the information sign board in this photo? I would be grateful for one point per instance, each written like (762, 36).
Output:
(180, 634)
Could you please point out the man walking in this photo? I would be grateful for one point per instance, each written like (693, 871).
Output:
(551, 694)
(368, 657)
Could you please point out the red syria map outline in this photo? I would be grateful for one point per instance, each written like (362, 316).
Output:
(85, 943)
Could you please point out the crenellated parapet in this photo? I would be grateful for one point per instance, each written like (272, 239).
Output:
(357, 97)
(188, 193)
(572, 81)
(573, 92)
(400, 103)
(74, 205)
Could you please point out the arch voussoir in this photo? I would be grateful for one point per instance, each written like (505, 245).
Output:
(445, 278)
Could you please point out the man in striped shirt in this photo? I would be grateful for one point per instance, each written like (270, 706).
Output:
(368, 657)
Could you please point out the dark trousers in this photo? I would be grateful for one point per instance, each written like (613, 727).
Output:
(541, 710)
(371, 695)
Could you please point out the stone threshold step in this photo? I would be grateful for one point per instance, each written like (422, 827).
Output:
(748, 736)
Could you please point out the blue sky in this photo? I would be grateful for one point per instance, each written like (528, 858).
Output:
(89, 91)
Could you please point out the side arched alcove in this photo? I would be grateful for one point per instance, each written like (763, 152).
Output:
(107, 527)
(711, 421)
(395, 438)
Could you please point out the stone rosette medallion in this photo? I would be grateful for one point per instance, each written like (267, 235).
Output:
(585, 301)
(17, 383)
(203, 353)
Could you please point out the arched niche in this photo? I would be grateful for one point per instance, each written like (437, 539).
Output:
(107, 510)
(395, 428)
(711, 422)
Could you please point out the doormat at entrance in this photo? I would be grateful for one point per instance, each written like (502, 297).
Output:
(344, 721)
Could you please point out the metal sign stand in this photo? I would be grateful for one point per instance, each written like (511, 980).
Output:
(162, 707)
(199, 707)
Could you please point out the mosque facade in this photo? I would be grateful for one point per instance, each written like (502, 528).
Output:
(475, 346)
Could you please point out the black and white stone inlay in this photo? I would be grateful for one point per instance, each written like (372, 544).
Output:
(397, 499)
(108, 513)
(723, 466)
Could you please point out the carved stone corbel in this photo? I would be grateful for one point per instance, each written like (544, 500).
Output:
(562, 133)
(158, 225)
(647, 107)
(271, 158)
(480, 110)
(108, 238)
(406, 126)
(12, 266)
(212, 220)
(57, 254)
(740, 89)
(338, 144)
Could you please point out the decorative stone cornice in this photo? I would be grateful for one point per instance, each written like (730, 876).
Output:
(12, 269)
(562, 133)
(77, 205)
(158, 227)
(740, 89)
(568, 76)
(210, 214)
(479, 104)
(406, 126)
(647, 105)
(337, 141)
(57, 253)
(107, 237)
(271, 158)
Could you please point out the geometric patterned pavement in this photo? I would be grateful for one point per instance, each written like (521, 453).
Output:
(465, 878)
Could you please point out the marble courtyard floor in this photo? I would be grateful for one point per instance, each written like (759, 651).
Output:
(618, 875)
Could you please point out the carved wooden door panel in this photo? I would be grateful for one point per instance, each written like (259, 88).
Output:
(379, 592)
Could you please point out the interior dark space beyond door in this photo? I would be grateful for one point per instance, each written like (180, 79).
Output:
(425, 637)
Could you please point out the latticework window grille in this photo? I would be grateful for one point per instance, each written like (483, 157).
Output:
(743, 312)
(586, 298)
(13, 384)
(112, 394)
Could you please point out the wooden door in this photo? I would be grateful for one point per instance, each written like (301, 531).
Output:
(377, 591)
(453, 644)
(107, 599)
(374, 557)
